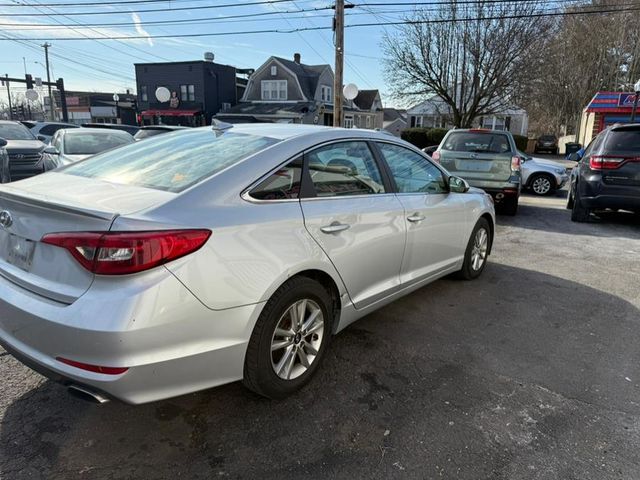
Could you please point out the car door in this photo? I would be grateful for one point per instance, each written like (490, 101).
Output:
(435, 218)
(355, 218)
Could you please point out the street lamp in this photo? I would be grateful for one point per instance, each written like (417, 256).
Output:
(116, 98)
(636, 88)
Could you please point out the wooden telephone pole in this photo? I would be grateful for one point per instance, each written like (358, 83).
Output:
(338, 27)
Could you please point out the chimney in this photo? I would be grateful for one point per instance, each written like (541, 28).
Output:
(296, 58)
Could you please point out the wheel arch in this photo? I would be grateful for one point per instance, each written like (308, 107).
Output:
(492, 228)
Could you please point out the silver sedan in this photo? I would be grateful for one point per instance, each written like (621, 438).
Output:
(211, 255)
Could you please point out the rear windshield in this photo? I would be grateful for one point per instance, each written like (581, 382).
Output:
(477, 142)
(83, 143)
(623, 141)
(171, 162)
(15, 131)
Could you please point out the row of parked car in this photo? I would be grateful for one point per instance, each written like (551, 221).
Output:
(30, 148)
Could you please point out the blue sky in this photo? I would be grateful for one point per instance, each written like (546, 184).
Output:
(107, 65)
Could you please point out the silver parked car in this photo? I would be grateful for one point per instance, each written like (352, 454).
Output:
(71, 145)
(208, 256)
(541, 176)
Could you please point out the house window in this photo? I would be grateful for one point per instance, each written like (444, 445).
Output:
(419, 121)
(143, 93)
(274, 70)
(348, 122)
(226, 106)
(188, 93)
(325, 93)
(274, 90)
(368, 121)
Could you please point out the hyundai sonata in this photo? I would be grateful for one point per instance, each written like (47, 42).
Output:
(211, 255)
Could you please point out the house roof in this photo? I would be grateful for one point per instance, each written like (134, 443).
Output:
(270, 108)
(308, 75)
(391, 114)
(365, 99)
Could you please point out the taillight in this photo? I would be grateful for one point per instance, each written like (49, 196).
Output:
(121, 253)
(436, 156)
(93, 368)
(606, 162)
(515, 163)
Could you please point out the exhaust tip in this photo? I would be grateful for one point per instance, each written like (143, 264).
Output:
(499, 196)
(87, 395)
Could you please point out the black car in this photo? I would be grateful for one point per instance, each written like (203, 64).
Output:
(153, 130)
(131, 129)
(24, 150)
(608, 174)
(547, 143)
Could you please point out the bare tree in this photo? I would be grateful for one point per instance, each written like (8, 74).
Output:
(474, 56)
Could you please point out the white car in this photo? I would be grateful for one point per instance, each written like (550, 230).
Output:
(541, 176)
(211, 255)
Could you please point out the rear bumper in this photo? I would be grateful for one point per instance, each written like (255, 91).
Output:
(499, 191)
(595, 194)
(170, 342)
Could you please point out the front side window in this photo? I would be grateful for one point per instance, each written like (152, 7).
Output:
(172, 162)
(411, 171)
(274, 89)
(283, 184)
(343, 169)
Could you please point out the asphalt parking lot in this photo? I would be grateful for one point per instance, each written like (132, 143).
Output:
(531, 372)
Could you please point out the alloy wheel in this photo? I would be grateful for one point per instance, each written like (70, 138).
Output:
(541, 185)
(297, 338)
(479, 250)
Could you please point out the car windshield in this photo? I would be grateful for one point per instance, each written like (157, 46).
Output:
(623, 141)
(172, 162)
(15, 131)
(90, 143)
(478, 142)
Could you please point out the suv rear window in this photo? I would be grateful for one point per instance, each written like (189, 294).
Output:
(623, 141)
(477, 142)
(171, 162)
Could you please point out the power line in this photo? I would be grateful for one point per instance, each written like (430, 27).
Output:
(88, 4)
(226, 5)
(354, 25)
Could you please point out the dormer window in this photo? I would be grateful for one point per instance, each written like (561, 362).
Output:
(274, 70)
(274, 90)
(325, 93)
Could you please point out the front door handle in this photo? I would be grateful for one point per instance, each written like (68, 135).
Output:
(415, 218)
(335, 227)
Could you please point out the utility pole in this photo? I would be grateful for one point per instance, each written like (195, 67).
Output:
(46, 57)
(338, 28)
(9, 96)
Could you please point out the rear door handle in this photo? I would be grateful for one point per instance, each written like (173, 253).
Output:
(416, 218)
(335, 227)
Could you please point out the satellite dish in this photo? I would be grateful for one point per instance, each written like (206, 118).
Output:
(116, 97)
(32, 95)
(350, 91)
(163, 94)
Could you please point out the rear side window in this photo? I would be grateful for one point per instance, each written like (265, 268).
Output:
(623, 141)
(172, 162)
(477, 142)
(345, 168)
(283, 184)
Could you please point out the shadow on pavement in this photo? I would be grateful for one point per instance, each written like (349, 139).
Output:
(516, 375)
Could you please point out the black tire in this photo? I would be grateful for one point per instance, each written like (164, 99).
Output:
(509, 206)
(579, 213)
(467, 272)
(542, 176)
(259, 374)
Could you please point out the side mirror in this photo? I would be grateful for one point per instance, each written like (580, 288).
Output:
(458, 185)
(42, 138)
(51, 150)
(3, 143)
(575, 157)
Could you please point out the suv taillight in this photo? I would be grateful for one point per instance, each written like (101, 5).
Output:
(436, 156)
(606, 162)
(515, 163)
(121, 253)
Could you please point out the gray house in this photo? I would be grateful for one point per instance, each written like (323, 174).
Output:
(394, 121)
(288, 91)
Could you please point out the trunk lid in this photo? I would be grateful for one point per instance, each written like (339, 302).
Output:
(55, 202)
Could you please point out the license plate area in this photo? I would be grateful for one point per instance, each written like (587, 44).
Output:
(19, 251)
(474, 165)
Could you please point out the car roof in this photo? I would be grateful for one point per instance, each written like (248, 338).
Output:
(162, 127)
(284, 131)
(10, 122)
